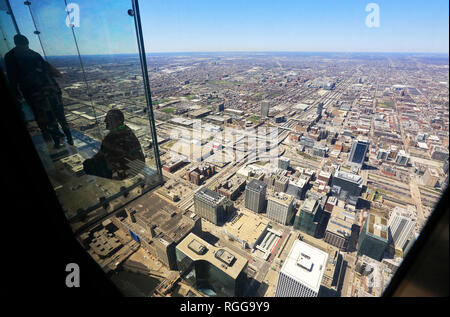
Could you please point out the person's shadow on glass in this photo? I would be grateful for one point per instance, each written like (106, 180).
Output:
(120, 155)
(33, 79)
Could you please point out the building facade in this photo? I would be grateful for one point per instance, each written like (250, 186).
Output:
(401, 227)
(373, 239)
(310, 218)
(211, 206)
(280, 208)
(346, 185)
(255, 196)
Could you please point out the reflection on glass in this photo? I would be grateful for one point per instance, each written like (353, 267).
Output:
(120, 155)
(84, 103)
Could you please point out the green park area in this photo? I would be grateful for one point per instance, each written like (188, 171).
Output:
(306, 156)
(168, 110)
(157, 102)
(224, 82)
(254, 119)
(385, 104)
(258, 95)
(213, 100)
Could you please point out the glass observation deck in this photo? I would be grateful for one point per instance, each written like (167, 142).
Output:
(66, 82)
(130, 148)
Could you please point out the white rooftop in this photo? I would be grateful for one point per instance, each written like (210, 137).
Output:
(305, 264)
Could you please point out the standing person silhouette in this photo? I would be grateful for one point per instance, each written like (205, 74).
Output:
(32, 78)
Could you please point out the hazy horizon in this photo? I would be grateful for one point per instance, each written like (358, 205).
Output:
(264, 52)
(235, 26)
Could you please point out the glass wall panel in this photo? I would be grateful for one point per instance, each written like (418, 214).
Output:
(7, 29)
(87, 98)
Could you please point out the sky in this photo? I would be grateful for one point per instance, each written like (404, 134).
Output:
(244, 25)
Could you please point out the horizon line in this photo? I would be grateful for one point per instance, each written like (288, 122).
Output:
(245, 51)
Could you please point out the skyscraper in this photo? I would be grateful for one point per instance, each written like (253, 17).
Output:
(302, 271)
(346, 185)
(319, 108)
(283, 163)
(401, 226)
(310, 218)
(280, 208)
(297, 188)
(255, 195)
(212, 206)
(358, 153)
(265, 109)
(373, 238)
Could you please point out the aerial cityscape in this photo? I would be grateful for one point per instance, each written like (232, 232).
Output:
(358, 159)
(261, 173)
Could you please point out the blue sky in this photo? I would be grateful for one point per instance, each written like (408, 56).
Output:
(245, 25)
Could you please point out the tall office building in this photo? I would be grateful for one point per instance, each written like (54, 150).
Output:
(283, 163)
(339, 228)
(297, 188)
(281, 184)
(212, 206)
(402, 158)
(265, 109)
(280, 208)
(439, 153)
(255, 195)
(358, 153)
(382, 155)
(346, 186)
(219, 107)
(401, 226)
(373, 238)
(310, 218)
(319, 108)
(214, 271)
(431, 177)
(302, 271)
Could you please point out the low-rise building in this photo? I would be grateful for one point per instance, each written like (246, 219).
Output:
(247, 228)
(158, 226)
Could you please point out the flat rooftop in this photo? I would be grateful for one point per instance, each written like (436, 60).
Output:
(247, 227)
(282, 198)
(209, 194)
(221, 257)
(349, 177)
(168, 218)
(256, 185)
(305, 264)
(377, 226)
(301, 182)
(341, 222)
(309, 205)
